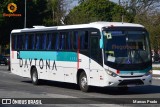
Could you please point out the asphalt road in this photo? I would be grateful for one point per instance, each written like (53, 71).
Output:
(13, 86)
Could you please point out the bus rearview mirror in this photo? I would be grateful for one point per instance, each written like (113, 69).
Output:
(101, 43)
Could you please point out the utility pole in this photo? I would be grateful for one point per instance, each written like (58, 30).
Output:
(119, 2)
(124, 4)
(25, 15)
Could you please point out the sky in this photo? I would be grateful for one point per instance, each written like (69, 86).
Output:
(116, 1)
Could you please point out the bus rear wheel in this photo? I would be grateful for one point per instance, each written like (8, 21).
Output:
(34, 77)
(83, 82)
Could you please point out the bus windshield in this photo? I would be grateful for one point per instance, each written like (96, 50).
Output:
(126, 47)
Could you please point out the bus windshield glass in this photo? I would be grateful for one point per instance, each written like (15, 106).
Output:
(126, 47)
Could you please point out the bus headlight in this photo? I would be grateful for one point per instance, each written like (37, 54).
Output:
(111, 73)
(148, 73)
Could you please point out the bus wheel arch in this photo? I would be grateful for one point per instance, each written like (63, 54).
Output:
(82, 80)
(34, 75)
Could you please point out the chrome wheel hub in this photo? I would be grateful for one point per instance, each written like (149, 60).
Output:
(34, 77)
(84, 82)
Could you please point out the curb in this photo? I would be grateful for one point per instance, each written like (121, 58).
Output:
(156, 72)
(155, 75)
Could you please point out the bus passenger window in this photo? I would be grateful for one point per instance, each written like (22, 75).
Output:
(95, 52)
(57, 41)
(54, 38)
(26, 42)
(20, 41)
(44, 38)
(69, 41)
(84, 40)
(37, 42)
(61, 41)
(82, 37)
(75, 40)
(14, 42)
(33, 41)
(49, 41)
(29, 41)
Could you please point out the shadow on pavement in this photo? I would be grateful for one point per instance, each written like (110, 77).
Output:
(56, 84)
(151, 89)
(131, 91)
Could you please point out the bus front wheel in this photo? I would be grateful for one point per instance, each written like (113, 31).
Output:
(34, 76)
(83, 82)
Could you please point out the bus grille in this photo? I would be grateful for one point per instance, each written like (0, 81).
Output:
(131, 76)
(131, 82)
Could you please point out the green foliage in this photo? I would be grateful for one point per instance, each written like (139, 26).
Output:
(8, 23)
(39, 12)
(55, 12)
(35, 15)
(152, 24)
(97, 10)
(80, 1)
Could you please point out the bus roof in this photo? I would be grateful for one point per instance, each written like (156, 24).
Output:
(97, 25)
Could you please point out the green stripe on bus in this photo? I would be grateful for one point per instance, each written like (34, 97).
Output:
(46, 55)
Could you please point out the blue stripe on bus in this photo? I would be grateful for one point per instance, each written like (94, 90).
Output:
(137, 71)
(46, 55)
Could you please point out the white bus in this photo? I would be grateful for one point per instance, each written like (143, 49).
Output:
(96, 54)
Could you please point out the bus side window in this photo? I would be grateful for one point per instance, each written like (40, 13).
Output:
(44, 39)
(49, 41)
(65, 41)
(61, 41)
(54, 40)
(29, 41)
(57, 42)
(94, 48)
(33, 42)
(37, 42)
(72, 41)
(84, 40)
(25, 41)
(82, 37)
(69, 41)
(75, 40)
(20, 42)
(14, 42)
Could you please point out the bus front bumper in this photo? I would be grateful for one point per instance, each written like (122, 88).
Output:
(129, 82)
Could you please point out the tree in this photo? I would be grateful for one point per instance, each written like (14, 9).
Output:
(139, 6)
(39, 12)
(56, 12)
(96, 10)
(35, 16)
(145, 12)
(81, 1)
(9, 23)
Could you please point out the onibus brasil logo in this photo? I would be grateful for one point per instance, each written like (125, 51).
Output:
(12, 8)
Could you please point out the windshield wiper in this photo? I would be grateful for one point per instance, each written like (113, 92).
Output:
(139, 56)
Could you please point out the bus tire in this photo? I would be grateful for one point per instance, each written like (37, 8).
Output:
(34, 77)
(83, 84)
(9, 68)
